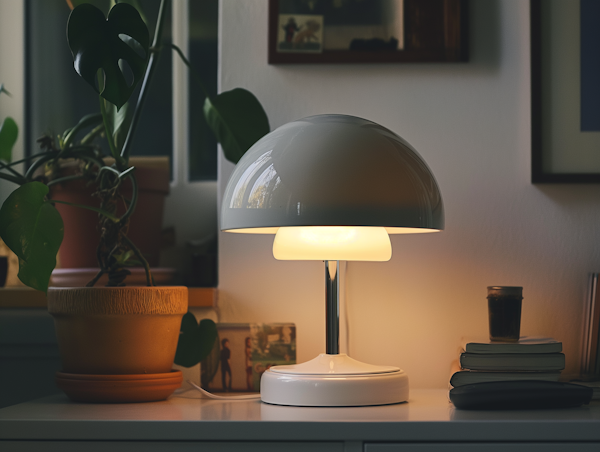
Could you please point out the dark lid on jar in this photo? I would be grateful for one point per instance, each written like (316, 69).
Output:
(505, 291)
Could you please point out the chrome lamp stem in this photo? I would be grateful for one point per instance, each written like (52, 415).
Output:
(332, 326)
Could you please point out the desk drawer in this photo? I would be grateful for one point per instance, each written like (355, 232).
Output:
(483, 447)
(170, 446)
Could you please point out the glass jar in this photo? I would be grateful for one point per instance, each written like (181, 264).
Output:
(504, 308)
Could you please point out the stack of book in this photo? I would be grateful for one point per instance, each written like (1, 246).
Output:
(531, 358)
(590, 362)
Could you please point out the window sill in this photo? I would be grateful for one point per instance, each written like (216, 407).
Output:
(24, 297)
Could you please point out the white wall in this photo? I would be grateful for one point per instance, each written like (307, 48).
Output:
(471, 123)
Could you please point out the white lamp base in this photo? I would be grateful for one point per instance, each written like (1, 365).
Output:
(334, 380)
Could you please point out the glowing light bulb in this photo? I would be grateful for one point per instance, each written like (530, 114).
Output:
(325, 236)
(347, 243)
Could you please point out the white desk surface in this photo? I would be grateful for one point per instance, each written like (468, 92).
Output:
(428, 416)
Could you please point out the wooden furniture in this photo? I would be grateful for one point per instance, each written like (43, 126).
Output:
(25, 297)
(428, 422)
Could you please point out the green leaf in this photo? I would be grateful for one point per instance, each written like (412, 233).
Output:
(33, 229)
(106, 5)
(87, 121)
(137, 5)
(103, 5)
(195, 340)
(123, 258)
(9, 131)
(97, 43)
(120, 122)
(237, 119)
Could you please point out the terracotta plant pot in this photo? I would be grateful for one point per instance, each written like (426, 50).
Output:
(81, 238)
(117, 330)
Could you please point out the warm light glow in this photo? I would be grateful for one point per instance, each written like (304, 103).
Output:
(325, 237)
(410, 230)
(344, 243)
(254, 230)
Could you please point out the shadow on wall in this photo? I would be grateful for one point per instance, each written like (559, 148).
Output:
(574, 198)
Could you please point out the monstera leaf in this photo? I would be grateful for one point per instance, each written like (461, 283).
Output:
(104, 5)
(237, 119)
(33, 229)
(9, 131)
(98, 43)
(195, 340)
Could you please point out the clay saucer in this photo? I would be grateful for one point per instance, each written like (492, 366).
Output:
(119, 388)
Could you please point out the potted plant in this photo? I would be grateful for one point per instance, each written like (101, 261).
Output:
(112, 336)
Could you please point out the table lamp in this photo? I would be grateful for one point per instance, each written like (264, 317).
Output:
(331, 188)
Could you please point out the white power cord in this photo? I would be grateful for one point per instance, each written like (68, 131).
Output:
(213, 396)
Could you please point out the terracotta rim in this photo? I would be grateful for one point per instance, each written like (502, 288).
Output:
(161, 300)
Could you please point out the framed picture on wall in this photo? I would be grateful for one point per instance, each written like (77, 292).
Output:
(300, 33)
(367, 31)
(565, 91)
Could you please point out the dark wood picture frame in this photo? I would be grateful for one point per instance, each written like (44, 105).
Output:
(434, 31)
(538, 155)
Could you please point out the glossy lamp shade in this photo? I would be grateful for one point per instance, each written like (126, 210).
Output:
(332, 170)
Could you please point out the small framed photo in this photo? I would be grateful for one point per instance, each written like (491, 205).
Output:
(244, 352)
(300, 33)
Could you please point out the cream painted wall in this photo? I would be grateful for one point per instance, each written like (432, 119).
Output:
(471, 123)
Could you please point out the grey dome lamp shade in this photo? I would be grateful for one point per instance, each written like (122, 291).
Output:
(332, 187)
(332, 170)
